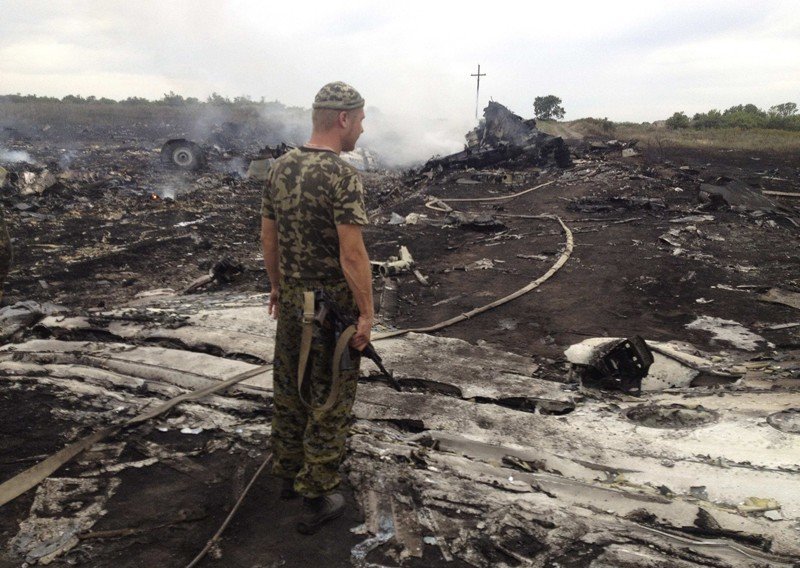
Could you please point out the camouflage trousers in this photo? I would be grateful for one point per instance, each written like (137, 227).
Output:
(5, 254)
(309, 445)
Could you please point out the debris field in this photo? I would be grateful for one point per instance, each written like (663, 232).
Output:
(135, 282)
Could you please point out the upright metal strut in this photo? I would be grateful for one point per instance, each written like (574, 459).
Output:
(478, 92)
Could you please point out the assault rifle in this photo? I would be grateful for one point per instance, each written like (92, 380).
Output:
(327, 310)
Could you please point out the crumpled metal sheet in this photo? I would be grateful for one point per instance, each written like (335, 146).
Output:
(504, 138)
(478, 457)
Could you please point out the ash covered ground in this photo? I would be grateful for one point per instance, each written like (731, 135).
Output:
(504, 460)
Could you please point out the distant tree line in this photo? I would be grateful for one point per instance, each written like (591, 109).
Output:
(781, 117)
(169, 99)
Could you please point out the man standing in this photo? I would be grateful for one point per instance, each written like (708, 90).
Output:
(312, 212)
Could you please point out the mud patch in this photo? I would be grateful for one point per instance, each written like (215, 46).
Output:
(670, 416)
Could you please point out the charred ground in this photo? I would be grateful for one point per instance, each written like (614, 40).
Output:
(104, 231)
(113, 223)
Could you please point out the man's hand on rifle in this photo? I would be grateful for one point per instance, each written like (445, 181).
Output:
(363, 331)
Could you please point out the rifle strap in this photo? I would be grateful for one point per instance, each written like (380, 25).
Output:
(305, 340)
(305, 351)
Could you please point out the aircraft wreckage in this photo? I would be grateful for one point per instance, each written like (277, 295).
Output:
(504, 138)
(131, 428)
(477, 456)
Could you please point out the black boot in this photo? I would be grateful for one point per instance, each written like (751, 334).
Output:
(287, 489)
(319, 511)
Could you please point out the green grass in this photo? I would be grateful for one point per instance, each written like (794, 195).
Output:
(657, 135)
(755, 139)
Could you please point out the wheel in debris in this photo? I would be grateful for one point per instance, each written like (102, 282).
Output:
(183, 154)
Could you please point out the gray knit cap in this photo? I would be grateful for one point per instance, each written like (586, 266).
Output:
(338, 96)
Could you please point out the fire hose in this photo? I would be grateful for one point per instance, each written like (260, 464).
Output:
(214, 539)
(524, 290)
(438, 204)
(30, 478)
(570, 244)
(19, 484)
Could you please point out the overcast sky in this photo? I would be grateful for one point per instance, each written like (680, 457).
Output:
(637, 61)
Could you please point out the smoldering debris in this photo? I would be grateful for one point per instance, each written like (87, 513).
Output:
(735, 194)
(363, 159)
(117, 199)
(637, 366)
(13, 156)
(504, 138)
(448, 463)
(484, 457)
(183, 154)
(188, 155)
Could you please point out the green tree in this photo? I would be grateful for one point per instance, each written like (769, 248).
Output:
(547, 108)
(172, 99)
(135, 101)
(217, 99)
(710, 119)
(782, 116)
(747, 109)
(742, 119)
(678, 120)
(784, 110)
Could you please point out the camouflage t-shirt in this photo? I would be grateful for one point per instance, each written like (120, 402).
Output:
(308, 192)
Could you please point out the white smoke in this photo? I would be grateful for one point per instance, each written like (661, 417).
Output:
(173, 185)
(399, 141)
(236, 166)
(66, 159)
(405, 141)
(166, 191)
(15, 156)
(291, 125)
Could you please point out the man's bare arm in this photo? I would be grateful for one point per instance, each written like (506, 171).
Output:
(269, 244)
(358, 273)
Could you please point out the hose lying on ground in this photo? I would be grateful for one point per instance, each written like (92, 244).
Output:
(214, 539)
(434, 203)
(524, 290)
(31, 477)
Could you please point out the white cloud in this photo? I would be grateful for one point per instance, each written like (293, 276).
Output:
(628, 60)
